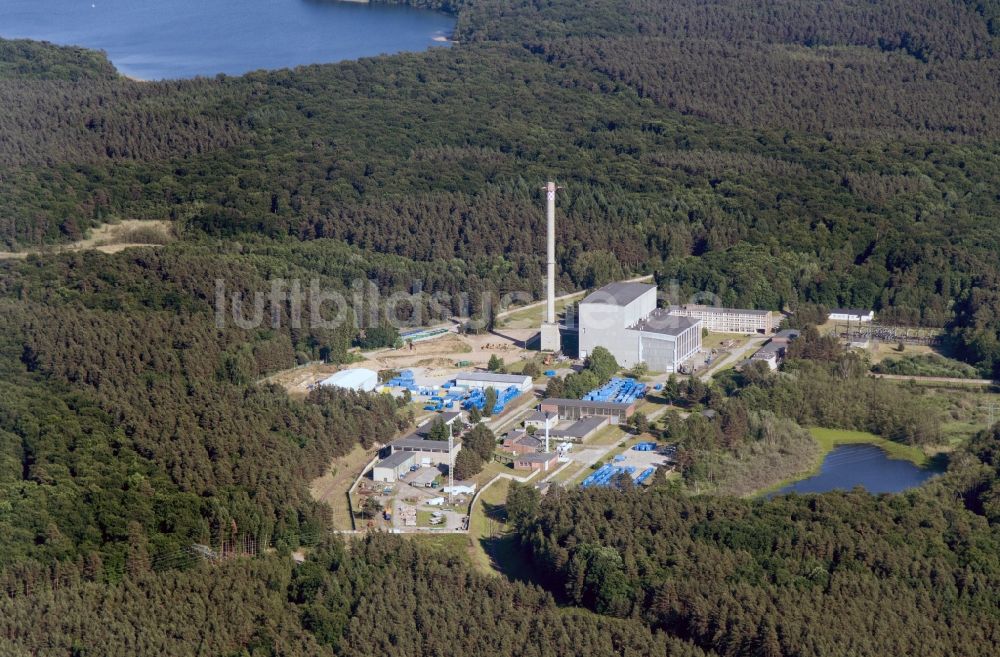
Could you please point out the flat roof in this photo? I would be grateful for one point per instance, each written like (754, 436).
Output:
(443, 418)
(618, 294)
(395, 460)
(584, 425)
(536, 457)
(721, 310)
(850, 311)
(414, 443)
(661, 321)
(493, 377)
(579, 403)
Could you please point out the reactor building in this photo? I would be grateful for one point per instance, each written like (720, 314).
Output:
(623, 318)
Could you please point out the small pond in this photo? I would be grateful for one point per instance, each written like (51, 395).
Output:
(847, 466)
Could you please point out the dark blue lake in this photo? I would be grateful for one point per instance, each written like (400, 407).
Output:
(156, 39)
(848, 466)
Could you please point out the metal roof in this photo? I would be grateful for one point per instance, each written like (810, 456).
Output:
(579, 403)
(694, 307)
(357, 378)
(412, 443)
(493, 377)
(582, 427)
(851, 311)
(618, 294)
(395, 460)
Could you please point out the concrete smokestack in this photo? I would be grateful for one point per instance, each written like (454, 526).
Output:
(550, 339)
(550, 258)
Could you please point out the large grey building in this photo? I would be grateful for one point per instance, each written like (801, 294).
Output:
(623, 318)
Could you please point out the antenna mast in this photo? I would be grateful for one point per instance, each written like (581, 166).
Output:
(451, 464)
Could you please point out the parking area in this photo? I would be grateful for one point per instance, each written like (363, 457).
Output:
(422, 477)
(642, 460)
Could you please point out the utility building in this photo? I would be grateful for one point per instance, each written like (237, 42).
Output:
(425, 452)
(623, 318)
(852, 315)
(493, 380)
(577, 409)
(389, 469)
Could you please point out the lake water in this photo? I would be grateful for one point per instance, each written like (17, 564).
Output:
(156, 39)
(869, 466)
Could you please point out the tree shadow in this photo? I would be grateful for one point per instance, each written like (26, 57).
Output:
(939, 462)
(508, 559)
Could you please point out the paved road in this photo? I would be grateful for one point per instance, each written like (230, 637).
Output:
(735, 356)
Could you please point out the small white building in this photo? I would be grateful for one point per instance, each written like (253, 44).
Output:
(852, 315)
(358, 378)
(541, 420)
(493, 380)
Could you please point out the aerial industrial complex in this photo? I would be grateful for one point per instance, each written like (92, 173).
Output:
(542, 439)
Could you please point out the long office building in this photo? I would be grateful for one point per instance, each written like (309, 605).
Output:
(623, 318)
(728, 320)
(577, 409)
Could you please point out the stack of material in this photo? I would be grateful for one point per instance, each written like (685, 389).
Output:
(408, 515)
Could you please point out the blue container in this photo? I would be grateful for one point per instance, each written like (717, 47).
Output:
(549, 372)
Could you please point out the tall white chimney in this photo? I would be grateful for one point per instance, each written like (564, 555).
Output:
(550, 258)
(550, 340)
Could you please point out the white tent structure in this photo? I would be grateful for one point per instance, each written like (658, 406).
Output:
(358, 378)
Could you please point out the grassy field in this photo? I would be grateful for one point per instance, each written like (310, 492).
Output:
(532, 317)
(882, 350)
(609, 435)
(332, 487)
(715, 340)
(488, 532)
(830, 438)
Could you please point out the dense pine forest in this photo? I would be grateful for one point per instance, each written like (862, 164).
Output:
(798, 155)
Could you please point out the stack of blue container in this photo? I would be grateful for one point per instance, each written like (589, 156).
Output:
(618, 390)
(404, 380)
(646, 474)
(606, 474)
(477, 399)
(645, 447)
